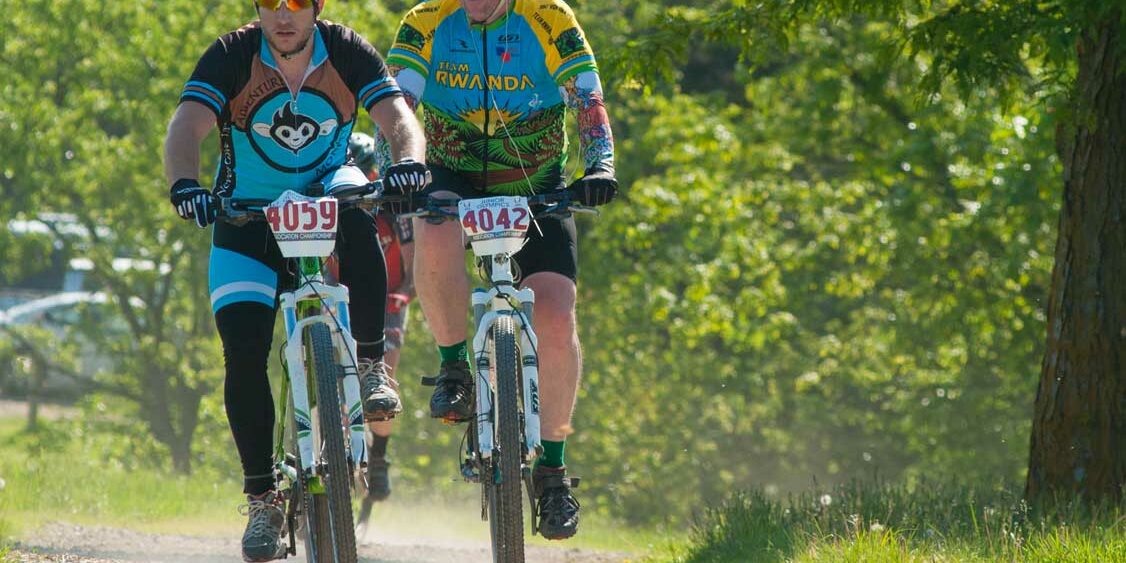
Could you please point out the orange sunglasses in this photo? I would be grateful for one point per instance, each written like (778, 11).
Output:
(293, 5)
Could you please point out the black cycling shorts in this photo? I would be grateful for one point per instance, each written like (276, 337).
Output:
(552, 247)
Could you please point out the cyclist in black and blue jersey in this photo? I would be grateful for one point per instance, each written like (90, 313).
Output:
(495, 79)
(284, 91)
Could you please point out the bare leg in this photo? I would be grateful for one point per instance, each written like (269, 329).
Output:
(559, 353)
(440, 277)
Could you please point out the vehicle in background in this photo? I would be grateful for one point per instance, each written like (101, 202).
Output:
(61, 321)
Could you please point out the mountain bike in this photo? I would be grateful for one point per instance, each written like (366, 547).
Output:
(503, 441)
(314, 457)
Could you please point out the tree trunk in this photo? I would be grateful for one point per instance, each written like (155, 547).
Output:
(171, 411)
(1078, 445)
(35, 393)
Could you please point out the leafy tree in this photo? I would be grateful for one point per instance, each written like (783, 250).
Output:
(82, 121)
(783, 267)
(84, 113)
(1069, 53)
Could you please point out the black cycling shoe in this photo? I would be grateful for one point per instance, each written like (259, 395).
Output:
(381, 401)
(453, 394)
(262, 539)
(558, 508)
(379, 481)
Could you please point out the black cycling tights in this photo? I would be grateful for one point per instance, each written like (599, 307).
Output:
(246, 329)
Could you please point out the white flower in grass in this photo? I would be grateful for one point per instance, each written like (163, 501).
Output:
(876, 527)
(826, 499)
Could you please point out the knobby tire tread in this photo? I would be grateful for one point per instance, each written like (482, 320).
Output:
(334, 508)
(506, 506)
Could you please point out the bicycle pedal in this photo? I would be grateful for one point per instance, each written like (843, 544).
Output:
(574, 482)
(429, 380)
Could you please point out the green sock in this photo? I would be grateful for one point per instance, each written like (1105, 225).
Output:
(552, 454)
(458, 351)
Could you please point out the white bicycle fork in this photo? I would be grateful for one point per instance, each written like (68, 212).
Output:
(335, 299)
(484, 318)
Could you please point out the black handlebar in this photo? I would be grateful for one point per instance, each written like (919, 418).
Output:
(553, 204)
(370, 196)
(365, 196)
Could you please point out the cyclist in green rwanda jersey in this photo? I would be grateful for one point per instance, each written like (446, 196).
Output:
(531, 63)
(494, 79)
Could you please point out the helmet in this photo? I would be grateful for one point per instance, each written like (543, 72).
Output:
(362, 148)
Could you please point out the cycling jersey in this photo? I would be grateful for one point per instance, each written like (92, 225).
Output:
(520, 67)
(393, 233)
(271, 140)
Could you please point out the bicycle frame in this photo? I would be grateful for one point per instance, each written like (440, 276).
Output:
(504, 342)
(320, 360)
(301, 309)
(488, 305)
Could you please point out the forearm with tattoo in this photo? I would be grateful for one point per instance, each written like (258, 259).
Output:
(583, 94)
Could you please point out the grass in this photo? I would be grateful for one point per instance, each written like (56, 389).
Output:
(931, 522)
(51, 476)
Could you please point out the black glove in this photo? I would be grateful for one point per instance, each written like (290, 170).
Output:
(597, 187)
(406, 178)
(194, 202)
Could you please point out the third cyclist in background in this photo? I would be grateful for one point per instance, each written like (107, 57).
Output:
(396, 237)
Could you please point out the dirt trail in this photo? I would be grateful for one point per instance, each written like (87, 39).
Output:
(70, 543)
(73, 543)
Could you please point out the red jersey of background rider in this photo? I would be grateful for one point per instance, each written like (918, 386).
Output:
(393, 233)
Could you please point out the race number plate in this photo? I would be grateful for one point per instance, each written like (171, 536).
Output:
(495, 225)
(303, 226)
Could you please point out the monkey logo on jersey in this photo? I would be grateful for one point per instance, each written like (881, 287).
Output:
(287, 136)
(292, 130)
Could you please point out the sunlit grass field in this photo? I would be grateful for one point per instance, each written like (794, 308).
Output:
(49, 477)
(929, 522)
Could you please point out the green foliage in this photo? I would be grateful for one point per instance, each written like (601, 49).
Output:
(826, 280)
(1007, 46)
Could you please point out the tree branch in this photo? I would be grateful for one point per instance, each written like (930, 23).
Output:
(41, 357)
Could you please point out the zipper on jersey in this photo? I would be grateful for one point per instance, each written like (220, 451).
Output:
(293, 97)
(485, 80)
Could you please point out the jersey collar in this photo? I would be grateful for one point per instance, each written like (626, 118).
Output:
(320, 52)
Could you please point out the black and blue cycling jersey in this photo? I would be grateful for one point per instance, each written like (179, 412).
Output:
(270, 139)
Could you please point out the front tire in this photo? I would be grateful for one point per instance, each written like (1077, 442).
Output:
(506, 508)
(330, 513)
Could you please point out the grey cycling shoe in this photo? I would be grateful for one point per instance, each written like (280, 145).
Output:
(262, 539)
(381, 401)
